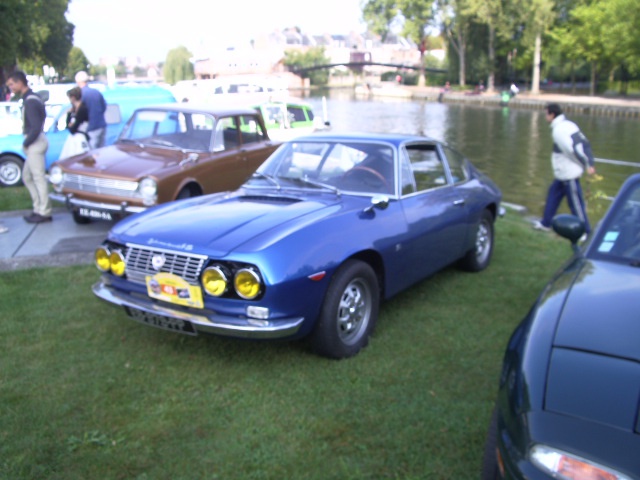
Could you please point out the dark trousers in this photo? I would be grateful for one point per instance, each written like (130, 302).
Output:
(573, 191)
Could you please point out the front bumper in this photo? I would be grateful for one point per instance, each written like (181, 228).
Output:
(74, 203)
(206, 322)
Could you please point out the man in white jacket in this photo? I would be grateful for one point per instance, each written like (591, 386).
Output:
(570, 158)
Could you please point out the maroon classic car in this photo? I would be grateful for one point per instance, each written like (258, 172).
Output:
(164, 153)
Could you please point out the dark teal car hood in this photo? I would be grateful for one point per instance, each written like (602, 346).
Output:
(602, 311)
(219, 224)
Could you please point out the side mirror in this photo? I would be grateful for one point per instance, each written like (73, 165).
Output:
(569, 227)
(381, 202)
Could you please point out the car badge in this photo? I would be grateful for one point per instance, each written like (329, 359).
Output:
(158, 261)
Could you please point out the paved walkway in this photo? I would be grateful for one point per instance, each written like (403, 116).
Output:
(57, 243)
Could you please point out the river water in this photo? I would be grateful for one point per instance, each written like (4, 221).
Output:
(513, 146)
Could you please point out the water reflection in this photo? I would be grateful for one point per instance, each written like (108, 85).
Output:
(513, 145)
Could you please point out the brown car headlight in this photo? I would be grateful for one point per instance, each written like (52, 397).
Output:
(214, 281)
(117, 263)
(247, 283)
(101, 258)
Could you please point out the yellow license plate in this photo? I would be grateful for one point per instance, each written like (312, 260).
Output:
(173, 289)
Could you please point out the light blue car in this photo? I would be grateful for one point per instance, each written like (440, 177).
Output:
(121, 102)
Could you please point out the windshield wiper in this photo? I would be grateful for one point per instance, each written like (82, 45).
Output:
(315, 183)
(268, 177)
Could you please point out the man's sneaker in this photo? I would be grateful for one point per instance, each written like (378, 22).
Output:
(537, 225)
(37, 218)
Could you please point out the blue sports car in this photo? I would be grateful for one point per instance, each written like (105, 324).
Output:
(568, 404)
(327, 227)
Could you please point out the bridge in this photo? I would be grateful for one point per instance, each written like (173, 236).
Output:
(300, 71)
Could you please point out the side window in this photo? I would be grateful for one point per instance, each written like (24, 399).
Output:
(296, 114)
(251, 130)
(426, 165)
(457, 164)
(408, 184)
(226, 134)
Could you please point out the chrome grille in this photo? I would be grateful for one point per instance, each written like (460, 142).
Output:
(139, 265)
(105, 186)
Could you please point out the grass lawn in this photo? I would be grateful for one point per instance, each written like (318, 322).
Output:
(14, 198)
(87, 393)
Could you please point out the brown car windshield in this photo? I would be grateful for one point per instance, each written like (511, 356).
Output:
(180, 130)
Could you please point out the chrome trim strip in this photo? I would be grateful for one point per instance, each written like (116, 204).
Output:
(216, 324)
(72, 201)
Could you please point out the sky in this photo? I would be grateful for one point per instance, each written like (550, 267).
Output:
(150, 28)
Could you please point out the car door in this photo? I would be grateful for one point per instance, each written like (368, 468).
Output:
(255, 145)
(434, 209)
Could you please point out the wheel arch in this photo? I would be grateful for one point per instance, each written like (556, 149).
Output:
(374, 260)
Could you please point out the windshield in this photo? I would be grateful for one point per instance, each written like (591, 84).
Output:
(347, 166)
(180, 130)
(619, 237)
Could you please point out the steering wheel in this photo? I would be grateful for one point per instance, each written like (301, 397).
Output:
(368, 170)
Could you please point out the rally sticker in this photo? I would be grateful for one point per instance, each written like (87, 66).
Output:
(171, 288)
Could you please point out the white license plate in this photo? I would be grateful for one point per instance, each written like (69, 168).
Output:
(97, 214)
(160, 321)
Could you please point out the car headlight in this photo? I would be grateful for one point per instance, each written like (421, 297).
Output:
(148, 190)
(101, 257)
(117, 263)
(55, 175)
(215, 281)
(247, 283)
(566, 466)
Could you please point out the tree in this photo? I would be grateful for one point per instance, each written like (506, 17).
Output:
(418, 17)
(455, 22)
(33, 34)
(295, 60)
(491, 14)
(380, 16)
(76, 62)
(539, 15)
(178, 66)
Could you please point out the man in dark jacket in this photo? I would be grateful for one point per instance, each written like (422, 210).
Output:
(35, 146)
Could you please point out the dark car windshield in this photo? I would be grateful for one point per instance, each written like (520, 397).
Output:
(180, 130)
(619, 237)
(348, 166)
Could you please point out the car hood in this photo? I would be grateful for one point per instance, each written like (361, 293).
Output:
(601, 313)
(594, 370)
(218, 224)
(123, 161)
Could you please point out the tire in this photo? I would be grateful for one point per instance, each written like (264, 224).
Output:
(10, 170)
(490, 469)
(479, 257)
(349, 312)
(79, 219)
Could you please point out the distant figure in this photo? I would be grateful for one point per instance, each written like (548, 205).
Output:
(398, 79)
(35, 145)
(570, 158)
(445, 89)
(514, 90)
(96, 106)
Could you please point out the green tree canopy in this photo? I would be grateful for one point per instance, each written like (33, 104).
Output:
(178, 66)
(296, 59)
(33, 34)
(76, 62)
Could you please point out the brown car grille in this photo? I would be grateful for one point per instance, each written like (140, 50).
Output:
(140, 264)
(105, 186)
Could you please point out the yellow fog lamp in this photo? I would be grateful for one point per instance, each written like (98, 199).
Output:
(247, 283)
(214, 281)
(101, 258)
(117, 263)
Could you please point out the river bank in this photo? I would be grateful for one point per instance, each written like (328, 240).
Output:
(585, 104)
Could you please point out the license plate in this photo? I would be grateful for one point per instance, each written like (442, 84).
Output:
(160, 321)
(171, 288)
(91, 213)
